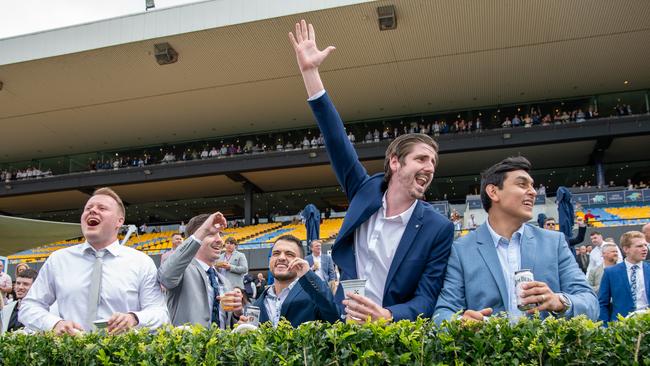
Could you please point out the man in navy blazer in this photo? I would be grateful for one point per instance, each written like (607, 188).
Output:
(297, 293)
(625, 287)
(325, 266)
(389, 236)
(480, 275)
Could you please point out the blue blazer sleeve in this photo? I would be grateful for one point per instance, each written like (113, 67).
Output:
(321, 296)
(345, 161)
(430, 283)
(452, 297)
(574, 284)
(604, 296)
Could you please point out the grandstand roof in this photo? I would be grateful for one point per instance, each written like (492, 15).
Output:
(85, 88)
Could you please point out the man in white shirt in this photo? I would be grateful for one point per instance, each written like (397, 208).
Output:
(596, 255)
(624, 287)
(96, 280)
(320, 263)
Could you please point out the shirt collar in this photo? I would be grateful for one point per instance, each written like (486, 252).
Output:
(115, 248)
(203, 265)
(496, 237)
(629, 265)
(404, 217)
(271, 291)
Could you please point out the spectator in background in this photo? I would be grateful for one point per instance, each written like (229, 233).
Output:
(646, 232)
(582, 257)
(19, 268)
(589, 216)
(232, 263)
(610, 256)
(623, 288)
(177, 239)
(541, 191)
(9, 316)
(596, 255)
(322, 264)
(6, 286)
(260, 283)
(550, 224)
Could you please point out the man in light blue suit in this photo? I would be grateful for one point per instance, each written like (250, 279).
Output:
(625, 287)
(321, 263)
(480, 274)
(389, 236)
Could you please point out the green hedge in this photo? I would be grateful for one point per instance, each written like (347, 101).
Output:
(530, 342)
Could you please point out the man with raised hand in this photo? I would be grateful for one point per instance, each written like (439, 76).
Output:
(98, 280)
(192, 280)
(389, 236)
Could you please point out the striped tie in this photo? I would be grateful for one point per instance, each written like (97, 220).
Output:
(633, 283)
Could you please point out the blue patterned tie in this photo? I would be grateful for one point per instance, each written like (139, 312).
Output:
(633, 284)
(212, 275)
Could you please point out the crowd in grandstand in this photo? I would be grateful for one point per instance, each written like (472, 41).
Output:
(291, 141)
(395, 255)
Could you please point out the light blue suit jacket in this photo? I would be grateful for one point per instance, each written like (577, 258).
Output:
(615, 296)
(475, 281)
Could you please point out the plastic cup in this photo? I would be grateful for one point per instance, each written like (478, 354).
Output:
(357, 287)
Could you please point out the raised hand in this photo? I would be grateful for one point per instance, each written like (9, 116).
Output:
(214, 224)
(299, 266)
(304, 43)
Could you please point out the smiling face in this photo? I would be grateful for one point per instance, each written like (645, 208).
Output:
(637, 251)
(415, 172)
(101, 220)
(517, 197)
(22, 286)
(284, 251)
(210, 249)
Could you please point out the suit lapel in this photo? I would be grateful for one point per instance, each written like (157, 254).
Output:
(289, 300)
(646, 280)
(204, 279)
(410, 232)
(528, 250)
(261, 303)
(622, 273)
(490, 257)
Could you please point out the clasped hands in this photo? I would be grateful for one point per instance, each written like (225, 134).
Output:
(535, 292)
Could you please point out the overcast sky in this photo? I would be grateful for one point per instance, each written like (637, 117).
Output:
(28, 16)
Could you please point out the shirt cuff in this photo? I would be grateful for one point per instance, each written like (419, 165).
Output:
(316, 96)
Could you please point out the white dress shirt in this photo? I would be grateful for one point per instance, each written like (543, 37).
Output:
(273, 303)
(376, 241)
(641, 301)
(211, 295)
(319, 271)
(509, 252)
(596, 257)
(128, 284)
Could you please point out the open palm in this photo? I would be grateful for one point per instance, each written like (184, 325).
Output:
(304, 43)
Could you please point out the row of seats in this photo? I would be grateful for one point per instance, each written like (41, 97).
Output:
(154, 243)
(616, 216)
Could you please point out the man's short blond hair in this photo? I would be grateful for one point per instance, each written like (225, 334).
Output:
(105, 191)
(626, 238)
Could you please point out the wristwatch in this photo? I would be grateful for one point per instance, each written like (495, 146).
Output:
(564, 299)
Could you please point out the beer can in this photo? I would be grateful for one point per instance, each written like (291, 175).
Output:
(521, 277)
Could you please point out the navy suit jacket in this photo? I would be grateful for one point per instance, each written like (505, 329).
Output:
(309, 299)
(475, 280)
(615, 296)
(417, 271)
(326, 266)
